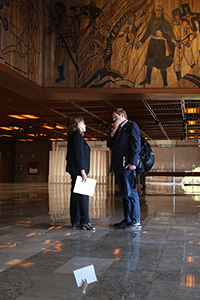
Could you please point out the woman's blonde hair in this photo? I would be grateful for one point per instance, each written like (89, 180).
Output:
(73, 125)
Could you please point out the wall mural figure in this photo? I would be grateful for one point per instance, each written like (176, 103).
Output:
(96, 51)
(3, 19)
(88, 50)
(63, 25)
(23, 50)
(183, 40)
(121, 40)
(160, 48)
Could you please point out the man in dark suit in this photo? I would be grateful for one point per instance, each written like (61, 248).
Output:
(125, 143)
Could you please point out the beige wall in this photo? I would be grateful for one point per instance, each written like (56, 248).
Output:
(176, 155)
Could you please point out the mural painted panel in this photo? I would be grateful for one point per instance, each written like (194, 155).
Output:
(126, 44)
(21, 37)
(101, 44)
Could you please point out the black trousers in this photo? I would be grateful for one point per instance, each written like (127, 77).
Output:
(79, 204)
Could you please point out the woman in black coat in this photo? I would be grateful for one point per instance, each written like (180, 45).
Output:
(78, 163)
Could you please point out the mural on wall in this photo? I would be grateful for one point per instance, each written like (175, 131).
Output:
(105, 43)
(126, 44)
(20, 37)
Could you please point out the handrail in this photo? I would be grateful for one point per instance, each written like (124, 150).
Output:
(176, 174)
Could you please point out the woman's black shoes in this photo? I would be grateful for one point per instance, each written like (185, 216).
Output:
(87, 226)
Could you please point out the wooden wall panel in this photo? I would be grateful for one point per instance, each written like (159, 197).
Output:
(117, 44)
(36, 152)
(7, 161)
(21, 38)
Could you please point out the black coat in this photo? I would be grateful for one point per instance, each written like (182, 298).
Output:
(156, 53)
(126, 143)
(78, 154)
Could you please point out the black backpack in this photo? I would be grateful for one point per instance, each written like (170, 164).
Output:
(146, 158)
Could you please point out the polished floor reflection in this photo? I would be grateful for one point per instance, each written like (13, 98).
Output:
(39, 250)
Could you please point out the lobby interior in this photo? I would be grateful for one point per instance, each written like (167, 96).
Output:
(39, 251)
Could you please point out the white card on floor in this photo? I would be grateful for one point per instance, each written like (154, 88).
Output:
(87, 273)
(85, 188)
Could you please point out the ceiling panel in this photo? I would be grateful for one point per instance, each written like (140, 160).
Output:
(160, 116)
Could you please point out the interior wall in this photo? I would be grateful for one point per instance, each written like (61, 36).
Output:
(7, 161)
(119, 46)
(102, 44)
(32, 161)
(169, 156)
(99, 166)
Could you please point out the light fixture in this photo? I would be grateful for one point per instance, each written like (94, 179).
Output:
(60, 127)
(30, 117)
(193, 122)
(193, 131)
(47, 127)
(17, 117)
(6, 128)
(192, 110)
(193, 137)
(5, 135)
(23, 117)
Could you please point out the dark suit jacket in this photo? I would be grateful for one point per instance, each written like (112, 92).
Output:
(78, 154)
(126, 143)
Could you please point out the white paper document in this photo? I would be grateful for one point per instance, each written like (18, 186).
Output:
(87, 273)
(85, 188)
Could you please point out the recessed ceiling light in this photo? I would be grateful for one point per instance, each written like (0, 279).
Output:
(48, 127)
(6, 128)
(23, 117)
(30, 116)
(60, 127)
(192, 110)
(17, 117)
(193, 122)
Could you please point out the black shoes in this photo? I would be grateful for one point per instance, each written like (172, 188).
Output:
(76, 225)
(125, 224)
(120, 224)
(87, 226)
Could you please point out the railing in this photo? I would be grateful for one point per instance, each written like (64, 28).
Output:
(171, 173)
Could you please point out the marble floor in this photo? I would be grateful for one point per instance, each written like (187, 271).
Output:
(39, 251)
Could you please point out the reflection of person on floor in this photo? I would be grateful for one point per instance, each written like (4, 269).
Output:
(84, 285)
(133, 253)
(183, 40)
(160, 49)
